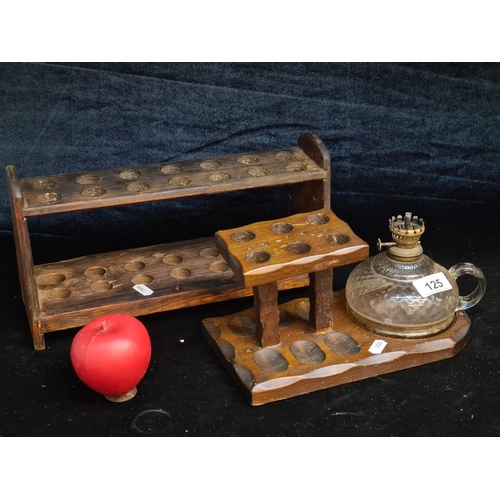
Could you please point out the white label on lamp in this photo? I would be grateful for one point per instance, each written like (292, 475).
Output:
(143, 289)
(377, 347)
(434, 283)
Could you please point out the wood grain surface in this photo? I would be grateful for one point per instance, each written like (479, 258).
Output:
(71, 192)
(181, 274)
(307, 242)
(307, 361)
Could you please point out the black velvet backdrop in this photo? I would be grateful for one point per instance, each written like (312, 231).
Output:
(402, 137)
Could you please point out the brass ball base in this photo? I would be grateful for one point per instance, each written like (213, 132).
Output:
(124, 397)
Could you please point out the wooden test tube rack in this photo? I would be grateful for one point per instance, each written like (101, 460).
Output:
(71, 293)
(274, 351)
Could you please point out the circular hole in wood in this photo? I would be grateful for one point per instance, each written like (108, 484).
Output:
(248, 160)
(93, 192)
(281, 228)
(93, 272)
(302, 309)
(295, 166)
(52, 197)
(227, 350)
(245, 375)
(134, 265)
(42, 184)
(171, 169)
(142, 279)
(59, 293)
(101, 286)
(258, 172)
(179, 181)
(219, 177)
(218, 267)
(298, 248)
(209, 253)
(337, 238)
(317, 219)
(212, 329)
(342, 344)
(138, 187)
(286, 319)
(244, 326)
(270, 360)
(242, 236)
(130, 174)
(180, 273)
(283, 155)
(307, 352)
(172, 259)
(51, 279)
(87, 179)
(210, 165)
(258, 257)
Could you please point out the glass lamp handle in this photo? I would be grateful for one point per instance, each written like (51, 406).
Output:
(473, 298)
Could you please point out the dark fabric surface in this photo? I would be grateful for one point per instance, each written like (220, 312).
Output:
(403, 137)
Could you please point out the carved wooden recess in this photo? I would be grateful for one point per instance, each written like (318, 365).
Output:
(306, 360)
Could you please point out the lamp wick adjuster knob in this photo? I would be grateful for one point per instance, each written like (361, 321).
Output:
(381, 245)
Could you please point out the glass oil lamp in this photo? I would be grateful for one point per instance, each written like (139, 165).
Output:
(402, 292)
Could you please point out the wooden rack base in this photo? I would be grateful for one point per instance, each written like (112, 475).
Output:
(306, 361)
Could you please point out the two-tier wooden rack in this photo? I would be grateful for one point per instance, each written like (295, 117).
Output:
(71, 293)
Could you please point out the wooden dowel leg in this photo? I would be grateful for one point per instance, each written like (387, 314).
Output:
(321, 299)
(267, 314)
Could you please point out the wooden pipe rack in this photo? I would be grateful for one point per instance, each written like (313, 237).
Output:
(71, 293)
(275, 351)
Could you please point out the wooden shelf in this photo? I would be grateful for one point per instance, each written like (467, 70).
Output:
(62, 193)
(73, 292)
(266, 251)
(181, 274)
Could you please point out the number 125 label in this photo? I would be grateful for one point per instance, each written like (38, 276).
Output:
(434, 283)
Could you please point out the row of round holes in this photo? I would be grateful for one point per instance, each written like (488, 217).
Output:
(139, 187)
(296, 248)
(306, 352)
(175, 169)
(54, 279)
(142, 279)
